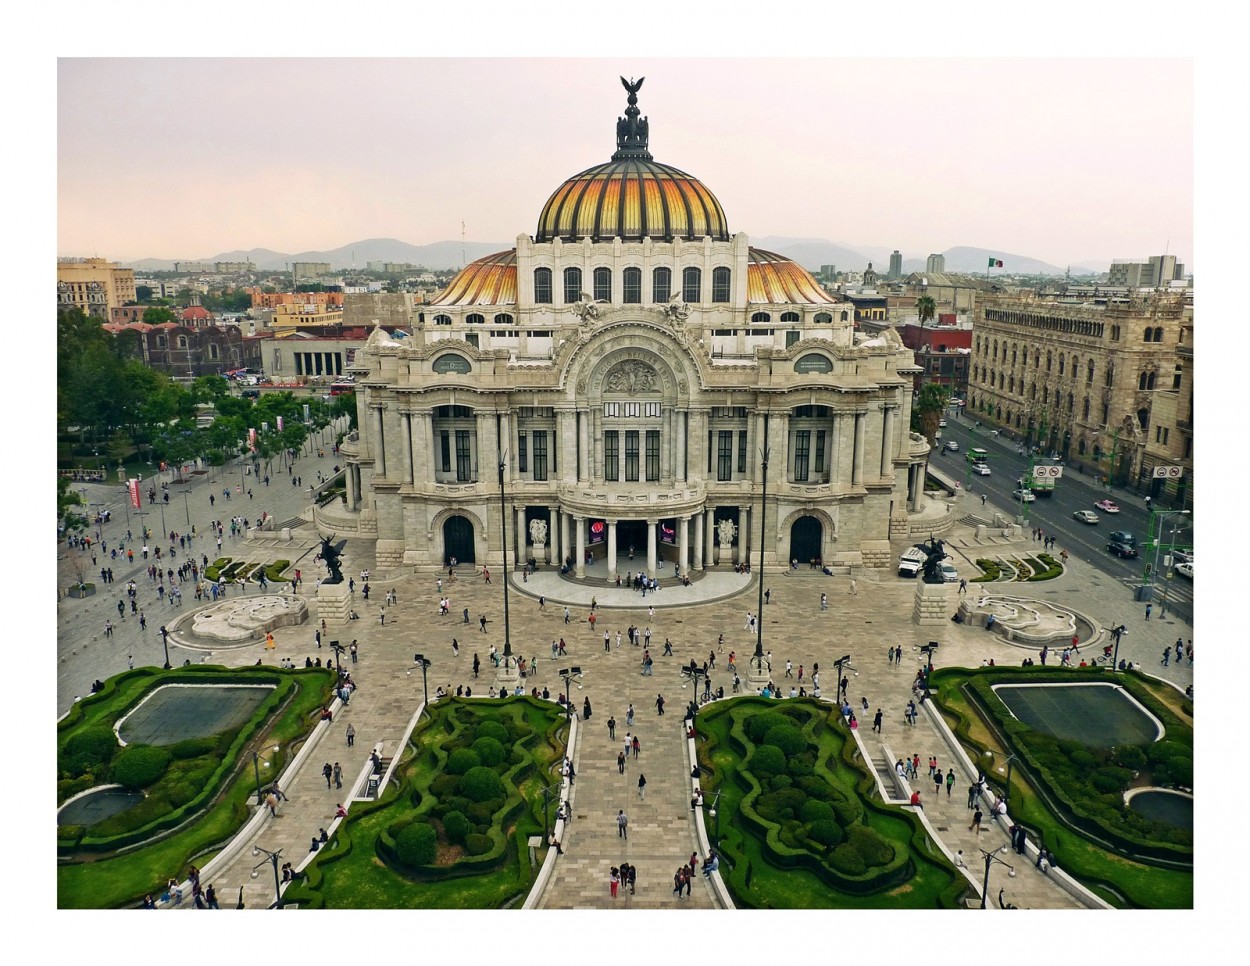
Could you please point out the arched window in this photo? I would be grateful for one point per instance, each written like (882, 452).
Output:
(1085, 408)
(1146, 334)
(845, 316)
(1150, 379)
(1141, 380)
(1110, 380)
(1070, 401)
(631, 286)
(182, 342)
(212, 353)
(761, 318)
(692, 285)
(661, 285)
(1048, 360)
(1176, 376)
(1013, 356)
(1061, 360)
(542, 286)
(503, 318)
(572, 285)
(603, 284)
(1045, 395)
(1024, 357)
(1000, 380)
(442, 320)
(720, 284)
(823, 318)
(791, 317)
(1089, 373)
(1080, 448)
(1159, 333)
(475, 318)
(1011, 384)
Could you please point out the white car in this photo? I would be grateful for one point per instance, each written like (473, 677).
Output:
(981, 469)
(1186, 569)
(949, 574)
(951, 446)
(942, 423)
(1085, 516)
(1024, 496)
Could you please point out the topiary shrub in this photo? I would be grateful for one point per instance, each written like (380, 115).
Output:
(456, 826)
(416, 844)
(480, 813)
(847, 860)
(459, 762)
(786, 737)
(481, 784)
(826, 832)
(89, 748)
(1129, 756)
(138, 766)
(489, 750)
(1082, 759)
(758, 725)
(477, 844)
(799, 767)
(767, 761)
(192, 748)
(814, 810)
(181, 793)
(444, 785)
(778, 782)
(874, 849)
(493, 729)
(815, 787)
(847, 810)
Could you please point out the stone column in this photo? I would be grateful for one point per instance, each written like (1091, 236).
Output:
(583, 445)
(709, 531)
(698, 540)
(837, 476)
(379, 444)
(565, 538)
(744, 533)
(487, 448)
(566, 428)
(917, 484)
(683, 544)
(857, 462)
(554, 546)
(887, 441)
(521, 535)
(679, 431)
(423, 446)
(580, 524)
(405, 444)
(611, 550)
(652, 525)
(352, 490)
(779, 445)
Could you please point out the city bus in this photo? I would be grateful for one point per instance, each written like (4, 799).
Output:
(977, 455)
(340, 388)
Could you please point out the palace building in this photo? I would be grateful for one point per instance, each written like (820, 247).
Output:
(612, 389)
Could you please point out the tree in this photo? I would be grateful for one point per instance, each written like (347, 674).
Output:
(925, 308)
(927, 410)
(66, 500)
(157, 315)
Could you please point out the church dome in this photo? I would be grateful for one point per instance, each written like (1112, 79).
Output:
(632, 196)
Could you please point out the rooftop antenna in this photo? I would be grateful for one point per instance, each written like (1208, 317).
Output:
(463, 260)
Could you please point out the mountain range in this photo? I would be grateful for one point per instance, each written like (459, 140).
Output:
(811, 253)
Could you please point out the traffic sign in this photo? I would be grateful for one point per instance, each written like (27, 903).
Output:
(1047, 472)
(1168, 472)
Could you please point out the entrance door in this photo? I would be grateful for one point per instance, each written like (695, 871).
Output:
(805, 539)
(631, 533)
(458, 540)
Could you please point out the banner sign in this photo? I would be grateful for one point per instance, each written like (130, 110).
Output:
(133, 487)
(251, 440)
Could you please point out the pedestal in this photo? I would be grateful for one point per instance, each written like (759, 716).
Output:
(931, 605)
(507, 676)
(539, 552)
(757, 677)
(334, 603)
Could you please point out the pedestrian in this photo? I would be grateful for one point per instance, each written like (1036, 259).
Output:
(889, 657)
(1167, 653)
(1149, 608)
(854, 588)
(950, 781)
(566, 615)
(876, 722)
(976, 822)
(636, 745)
(982, 499)
(659, 703)
(612, 727)
(972, 796)
(338, 775)
(620, 762)
(482, 623)
(542, 603)
(768, 595)
(328, 771)
(963, 585)
(642, 786)
(629, 716)
(622, 831)
(586, 708)
(351, 735)
(824, 601)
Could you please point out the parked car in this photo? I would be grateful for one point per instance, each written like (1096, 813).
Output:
(949, 574)
(911, 562)
(1024, 496)
(1186, 569)
(951, 446)
(1121, 549)
(1085, 516)
(981, 469)
(1107, 506)
(1123, 536)
(1183, 556)
(942, 423)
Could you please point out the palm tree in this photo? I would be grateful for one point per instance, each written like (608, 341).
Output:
(927, 410)
(925, 308)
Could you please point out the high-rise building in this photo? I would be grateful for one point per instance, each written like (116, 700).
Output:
(1155, 272)
(896, 266)
(93, 285)
(935, 263)
(622, 368)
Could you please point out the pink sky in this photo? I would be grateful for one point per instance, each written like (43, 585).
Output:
(1052, 159)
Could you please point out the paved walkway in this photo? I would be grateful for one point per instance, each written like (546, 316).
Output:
(864, 625)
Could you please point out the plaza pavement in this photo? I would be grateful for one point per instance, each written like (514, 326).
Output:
(864, 625)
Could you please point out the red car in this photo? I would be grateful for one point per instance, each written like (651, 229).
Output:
(1108, 506)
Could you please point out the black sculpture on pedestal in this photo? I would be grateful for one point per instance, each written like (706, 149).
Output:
(936, 551)
(330, 554)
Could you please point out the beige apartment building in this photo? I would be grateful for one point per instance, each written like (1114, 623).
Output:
(93, 285)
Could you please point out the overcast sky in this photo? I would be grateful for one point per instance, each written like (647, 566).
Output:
(1062, 160)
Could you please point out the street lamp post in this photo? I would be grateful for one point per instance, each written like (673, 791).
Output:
(1158, 541)
(839, 664)
(548, 791)
(260, 797)
(271, 857)
(165, 644)
(568, 673)
(927, 650)
(425, 687)
(1007, 791)
(695, 672)
(714, 814)
(990, 859)
(759, 621)
(186, 506)
(503, 517)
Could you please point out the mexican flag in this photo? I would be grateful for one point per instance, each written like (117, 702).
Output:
(996, 263)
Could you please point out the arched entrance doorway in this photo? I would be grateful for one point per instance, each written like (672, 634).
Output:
(458, 540)
(806, 538)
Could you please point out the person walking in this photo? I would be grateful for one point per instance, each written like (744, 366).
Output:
(636, 745)
(612, 727)
(659, 703)
(629, 716)
(614, 881)
(620, 762)
(566, 615)
(950, 781)
(622, 829)
(351, 735)
(876, 722)
(937, 782)
(642, 786)
(338, 775)
(972, 795)
(976, 822)
(854, 589)
(1167, 653)
(1149, 608)
(824, 601)
(481, 622)
(328, 771)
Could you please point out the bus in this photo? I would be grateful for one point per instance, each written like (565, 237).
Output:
(340, 388)
(977, 455)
